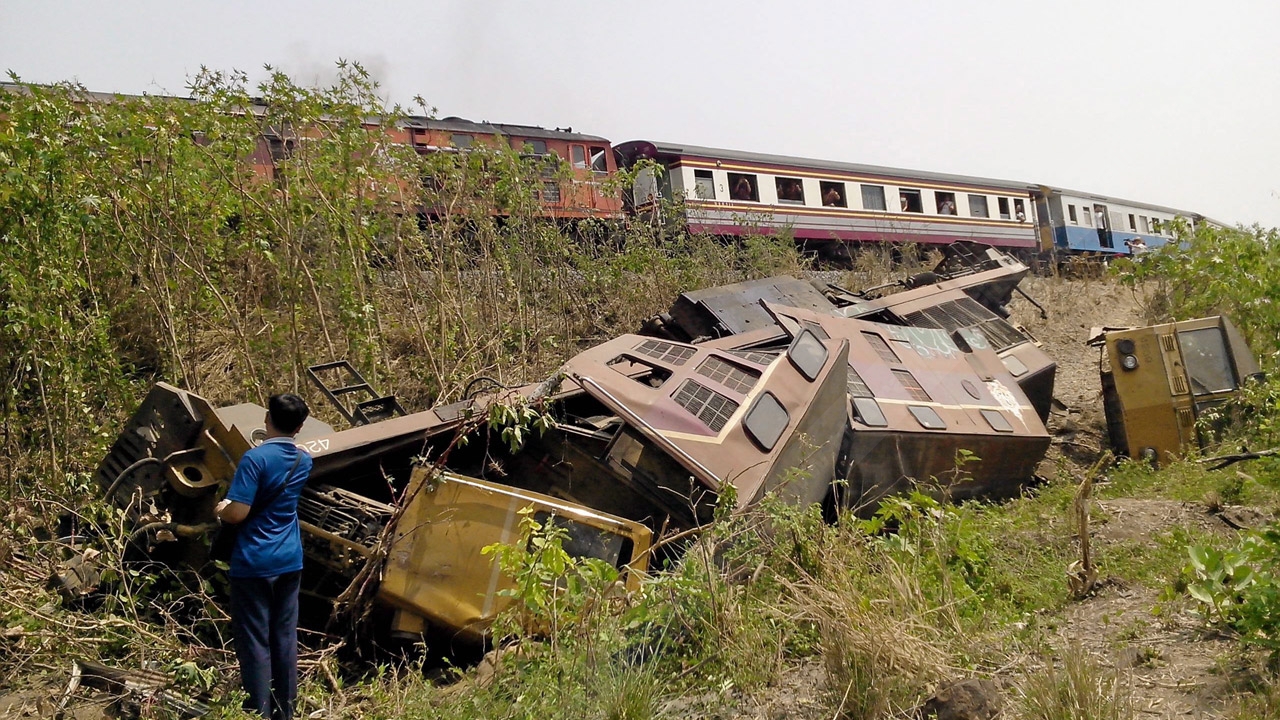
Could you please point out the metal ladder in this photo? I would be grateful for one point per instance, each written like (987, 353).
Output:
(350, 382)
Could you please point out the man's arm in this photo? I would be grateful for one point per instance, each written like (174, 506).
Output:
(232, 512)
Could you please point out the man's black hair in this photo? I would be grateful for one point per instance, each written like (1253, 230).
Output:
(288, 412)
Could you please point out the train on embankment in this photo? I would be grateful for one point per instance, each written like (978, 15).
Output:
(831, 207)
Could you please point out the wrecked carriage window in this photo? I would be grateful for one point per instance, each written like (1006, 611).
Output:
(1208, 365)
(584, 541)
(766, 421)
(709, 406)
(808, 355)
(599, 160)
(640, 371)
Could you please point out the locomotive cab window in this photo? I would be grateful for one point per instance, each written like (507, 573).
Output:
(704, 185)
(578, 156)
(833, 194)
(1003, 204)
(978, 206)
(909, 201)
(873, 197)
(790, 190)
(536, 147)
(743, 186)
(946, 203)
(599, 160)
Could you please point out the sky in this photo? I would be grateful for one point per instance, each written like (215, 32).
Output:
(1171, 102)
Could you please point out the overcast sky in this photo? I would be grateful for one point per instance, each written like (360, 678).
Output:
(1171, 102)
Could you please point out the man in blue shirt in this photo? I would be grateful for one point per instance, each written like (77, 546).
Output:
(266, 561)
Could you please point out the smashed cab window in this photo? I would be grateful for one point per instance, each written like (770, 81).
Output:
(766, 421)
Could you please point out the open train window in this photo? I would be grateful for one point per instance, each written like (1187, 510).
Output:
(1071, 214)
(833, 194)
(910, 201)
(978, 206)
(873, 197)
(1019, 211)
(946, 202)
(743, 186)
(1133, 224)
(599, 160)
(790, 190)
(704, 185)
(1003, 204)
(460, 140)
(1155, 226)
(578, 156)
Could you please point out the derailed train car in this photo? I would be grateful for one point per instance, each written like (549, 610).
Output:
(649, 434)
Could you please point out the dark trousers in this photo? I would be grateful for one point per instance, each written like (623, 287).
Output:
(264, 621)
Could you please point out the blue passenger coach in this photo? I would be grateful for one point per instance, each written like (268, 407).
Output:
(1083, 222)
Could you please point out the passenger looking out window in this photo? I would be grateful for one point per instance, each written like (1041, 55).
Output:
(790, 190)
(1019, 211)
(946, 203)
(743, 187)
(910, 201)
(833, 194)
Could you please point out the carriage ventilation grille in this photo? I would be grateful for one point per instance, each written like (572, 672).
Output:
(666, 352)
(728, 375)
(968, 313)
(1179, 385)
(857, 386)
(706, 404)
(755, 356)
(1185, 418)
(1166, 342)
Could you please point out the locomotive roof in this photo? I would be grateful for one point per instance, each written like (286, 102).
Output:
(1110, 200)
(784, 160)
(457, 124)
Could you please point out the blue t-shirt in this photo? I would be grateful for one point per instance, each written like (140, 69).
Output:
(269, 543)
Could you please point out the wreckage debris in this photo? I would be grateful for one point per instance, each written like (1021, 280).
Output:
(1161, 382)
(775, 386)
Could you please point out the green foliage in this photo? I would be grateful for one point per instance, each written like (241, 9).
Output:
(1079, 688)
(1238, 587)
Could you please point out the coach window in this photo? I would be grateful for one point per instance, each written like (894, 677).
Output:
(599, 160)
(578, 155)
(790, 190)
(460, 141)
(1155, 226)
(1019, 211)
(833, 194)
(1086, 217)
(1003, 204)
(909, 200)
(873, 197)
(978, 206)
(704, 185)
(1133, 224)
(1146, 228)
(743, 187)
(1071, 213)
(946, 203)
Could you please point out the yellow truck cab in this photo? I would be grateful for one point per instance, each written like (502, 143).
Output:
(1157, 381)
